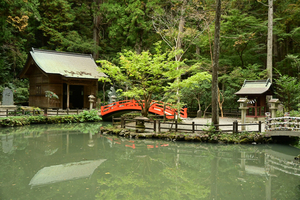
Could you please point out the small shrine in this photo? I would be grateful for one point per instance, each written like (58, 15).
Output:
(256, 92)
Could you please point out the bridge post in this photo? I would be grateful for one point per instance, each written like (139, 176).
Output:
(259, 126)
(154, 125)
(175, 124)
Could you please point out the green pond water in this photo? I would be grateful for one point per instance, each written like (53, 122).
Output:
(74, 161)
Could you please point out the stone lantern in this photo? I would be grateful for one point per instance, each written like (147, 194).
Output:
(243, 107)
(274, 106)
(91, 100)
(113, 98)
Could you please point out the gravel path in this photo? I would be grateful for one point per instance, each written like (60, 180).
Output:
(224, 120)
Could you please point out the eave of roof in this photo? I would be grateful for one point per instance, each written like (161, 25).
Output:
(69, 65)
(251, 87)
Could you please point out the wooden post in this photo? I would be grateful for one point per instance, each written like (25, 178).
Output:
(259, 126)
(77, 111)
(175, 124)
(158, 126)
(57, 112)
(68, 96)
(154, 126)
(67, 111)
(233, 127)
(136, 122)
(193, 127)
(122, 122)
(45, 111)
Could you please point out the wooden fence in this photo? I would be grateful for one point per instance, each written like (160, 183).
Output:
(48, 112)
(159, 125)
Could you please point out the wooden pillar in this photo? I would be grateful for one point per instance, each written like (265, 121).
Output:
(68, 96)
(255, 110)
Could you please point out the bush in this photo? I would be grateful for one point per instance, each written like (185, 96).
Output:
(89, 116)
(86, 116)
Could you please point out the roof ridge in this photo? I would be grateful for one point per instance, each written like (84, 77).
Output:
(263, 80)
(62, 52)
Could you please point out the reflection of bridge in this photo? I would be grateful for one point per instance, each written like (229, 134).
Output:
(283, 126)
(157, 107)
(268, 163)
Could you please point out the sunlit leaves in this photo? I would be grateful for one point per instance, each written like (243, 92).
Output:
(143, 75)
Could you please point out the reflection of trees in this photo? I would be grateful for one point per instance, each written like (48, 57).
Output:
(42, 128)
(144, 171)
(167, 170)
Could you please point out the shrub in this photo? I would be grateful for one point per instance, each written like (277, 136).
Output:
(86, 116)
(90, 116)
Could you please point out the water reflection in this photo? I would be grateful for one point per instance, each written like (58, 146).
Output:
(75, 162)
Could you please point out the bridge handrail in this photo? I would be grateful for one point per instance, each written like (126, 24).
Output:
(282, 124)
(156, 106)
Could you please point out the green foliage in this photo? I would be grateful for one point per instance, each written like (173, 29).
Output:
(288, 90)
(143, 75)
(197, 87)
(89, 116)
(86, 116)
(294, 113)
(69, 25)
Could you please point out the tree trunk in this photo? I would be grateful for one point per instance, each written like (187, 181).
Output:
(214, 101)
(178, 47)
(220, 102)
(96, 30)
(104, 92)
(270, 41)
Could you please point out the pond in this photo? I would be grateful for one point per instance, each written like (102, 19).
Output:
(74, 161)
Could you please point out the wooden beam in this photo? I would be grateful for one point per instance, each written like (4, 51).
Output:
(68, 96)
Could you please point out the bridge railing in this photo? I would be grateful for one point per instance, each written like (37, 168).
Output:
(157, 107)
(282, 124)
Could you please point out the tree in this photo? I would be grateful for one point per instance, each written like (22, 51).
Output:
(288, 90)
(143, 74)
(195, 87)
(214, 97)
(270, 41)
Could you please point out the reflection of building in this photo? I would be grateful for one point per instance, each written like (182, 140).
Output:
(7, 143)
(73, 77)
(65, 172)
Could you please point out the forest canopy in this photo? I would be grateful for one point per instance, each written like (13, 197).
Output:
(107, 28)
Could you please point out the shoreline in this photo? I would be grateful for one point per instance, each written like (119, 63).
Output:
(204, 136)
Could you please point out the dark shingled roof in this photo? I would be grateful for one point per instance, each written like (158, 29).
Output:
(69, 65)
(255, 87)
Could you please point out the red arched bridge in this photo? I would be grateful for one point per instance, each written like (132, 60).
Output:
(157, 107)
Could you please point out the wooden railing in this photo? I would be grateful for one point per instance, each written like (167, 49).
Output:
(159, 125)
(10, 112)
